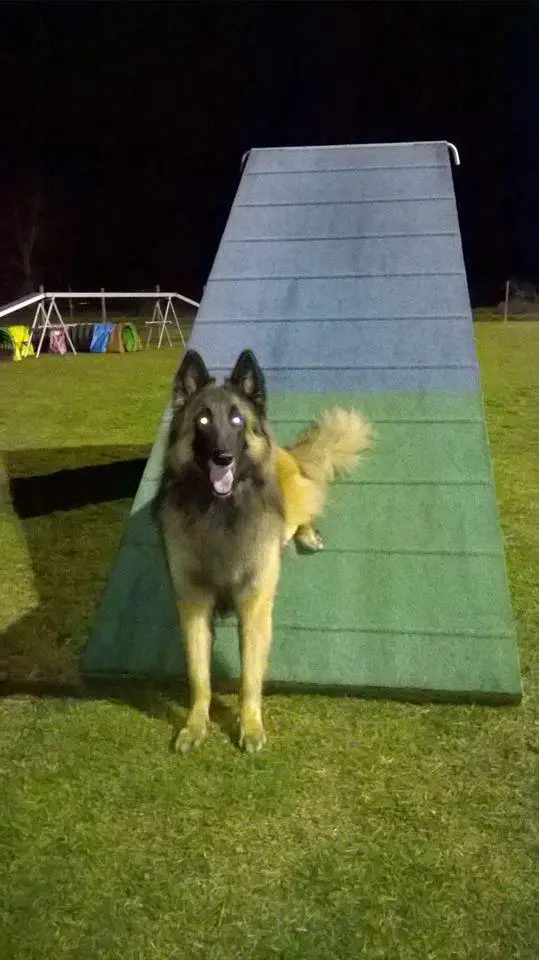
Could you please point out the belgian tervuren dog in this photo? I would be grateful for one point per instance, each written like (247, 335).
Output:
(230, 498)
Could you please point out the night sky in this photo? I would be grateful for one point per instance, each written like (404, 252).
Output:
(133, 119)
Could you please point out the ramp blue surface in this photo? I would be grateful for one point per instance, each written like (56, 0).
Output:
(345, 263)
(342, 268)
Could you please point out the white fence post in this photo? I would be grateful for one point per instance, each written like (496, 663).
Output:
(103, 306)
(506, 304)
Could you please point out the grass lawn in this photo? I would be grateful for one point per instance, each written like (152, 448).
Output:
(366, 829)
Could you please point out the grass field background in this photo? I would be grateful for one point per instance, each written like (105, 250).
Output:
(367, 829)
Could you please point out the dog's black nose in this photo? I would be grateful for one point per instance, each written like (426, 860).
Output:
(222, 458)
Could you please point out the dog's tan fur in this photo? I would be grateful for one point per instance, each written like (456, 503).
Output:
(233, 550)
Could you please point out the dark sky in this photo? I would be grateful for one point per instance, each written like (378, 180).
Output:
(135, 117)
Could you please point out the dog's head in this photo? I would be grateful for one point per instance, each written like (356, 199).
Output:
(220, 431)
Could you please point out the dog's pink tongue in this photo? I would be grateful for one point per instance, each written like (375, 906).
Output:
(221, 478)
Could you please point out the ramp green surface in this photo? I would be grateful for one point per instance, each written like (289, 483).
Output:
(409, 597)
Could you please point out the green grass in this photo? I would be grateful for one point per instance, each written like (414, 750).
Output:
(367, 829)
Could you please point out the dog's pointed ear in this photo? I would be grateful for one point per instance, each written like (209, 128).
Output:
(191, 377)
(248, 379)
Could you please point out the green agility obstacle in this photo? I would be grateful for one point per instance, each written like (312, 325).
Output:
(342, 268)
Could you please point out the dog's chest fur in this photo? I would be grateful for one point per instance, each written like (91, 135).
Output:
(221, 546)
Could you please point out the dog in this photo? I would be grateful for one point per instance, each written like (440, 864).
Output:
(230, 499)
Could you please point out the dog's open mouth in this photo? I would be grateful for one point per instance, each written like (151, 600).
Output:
(222, 478)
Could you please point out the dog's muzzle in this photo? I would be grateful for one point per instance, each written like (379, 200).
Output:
(222, 467)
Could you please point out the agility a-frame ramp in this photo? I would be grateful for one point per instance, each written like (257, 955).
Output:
(342, 268)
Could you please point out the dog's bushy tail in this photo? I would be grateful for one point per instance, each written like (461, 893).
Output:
(331, 445)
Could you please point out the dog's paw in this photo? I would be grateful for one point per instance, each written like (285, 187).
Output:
(191, 736)
(252, 736)
(309, 539)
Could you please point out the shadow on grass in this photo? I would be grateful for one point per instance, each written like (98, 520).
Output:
(166, 702)
(73, 517)
(44, 481)
(73, 489)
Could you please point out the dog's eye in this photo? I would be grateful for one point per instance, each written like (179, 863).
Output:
(237, 420)
(203, 420)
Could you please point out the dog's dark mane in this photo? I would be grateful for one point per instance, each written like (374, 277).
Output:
(189, 492)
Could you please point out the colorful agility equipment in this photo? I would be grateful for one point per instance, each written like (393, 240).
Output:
(13, 342)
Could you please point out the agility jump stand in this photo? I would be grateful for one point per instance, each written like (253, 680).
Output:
(42, 321)
(161, 320)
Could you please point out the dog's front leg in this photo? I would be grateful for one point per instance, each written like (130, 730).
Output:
(255, 610)
(195, 619)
